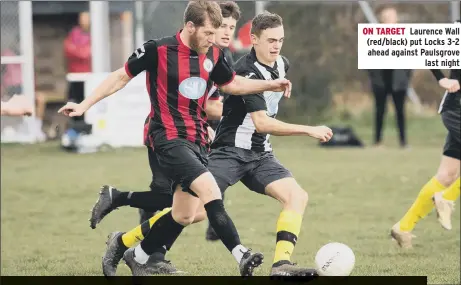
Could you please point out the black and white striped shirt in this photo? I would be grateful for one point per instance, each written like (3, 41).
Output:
(236, 127)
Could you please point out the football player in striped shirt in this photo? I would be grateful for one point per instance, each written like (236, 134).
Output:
(180, 70)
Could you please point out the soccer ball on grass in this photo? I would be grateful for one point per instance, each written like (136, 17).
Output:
(334, 259)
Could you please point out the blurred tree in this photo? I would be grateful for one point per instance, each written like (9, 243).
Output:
(321, 45)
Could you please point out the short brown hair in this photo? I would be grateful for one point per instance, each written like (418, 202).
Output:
(230, 9)
(198, 11)
(265, 21)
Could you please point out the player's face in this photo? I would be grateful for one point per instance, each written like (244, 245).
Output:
(202, 38)
(268, 44)
(225, 33)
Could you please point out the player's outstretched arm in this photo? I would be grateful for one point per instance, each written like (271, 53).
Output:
(451, 85)
(113, 83)
(143, 58)
(267, 125)
(18, 105)
(245, 86)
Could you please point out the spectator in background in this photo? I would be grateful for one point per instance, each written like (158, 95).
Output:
(77, 49)
(11, 87)
(391, 81)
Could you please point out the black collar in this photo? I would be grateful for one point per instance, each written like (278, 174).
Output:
(253, 56)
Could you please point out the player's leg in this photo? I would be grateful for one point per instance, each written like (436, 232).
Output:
(399, 102)
(444, 201)
(271, 178)
(210, 234)
(159, 198)
(119, 242)
(164, 231)
(447, 174)
(186, 164)
(227, 170)
(207, 189)
(160, 189)
(380, 95)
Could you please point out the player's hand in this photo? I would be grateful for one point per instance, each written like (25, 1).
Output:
(451, 85)
(211, 134)
(72, 109)
(322, 133)
(18, 105)
(282, 84)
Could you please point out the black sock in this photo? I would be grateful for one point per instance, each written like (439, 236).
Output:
(164, 232)
(121, 199)
(222, 224)
(120, 242)
(148, 201)
(210, 228)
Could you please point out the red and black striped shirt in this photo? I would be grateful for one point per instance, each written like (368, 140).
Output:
(178, 81)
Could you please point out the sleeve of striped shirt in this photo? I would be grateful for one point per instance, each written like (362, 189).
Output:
(254, 102)
(144, 58)
(438, 74)
(223, 73)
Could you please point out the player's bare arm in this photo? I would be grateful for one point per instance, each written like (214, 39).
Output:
(451, 85)
(18, 105)
(113, 83)
(268, 125)
(244, 86)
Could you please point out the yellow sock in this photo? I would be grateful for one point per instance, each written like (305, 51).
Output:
(422, 206)
(452, 192)
(137, 234)
(288, 228)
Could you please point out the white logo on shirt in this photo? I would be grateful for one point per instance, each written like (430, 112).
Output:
(250, 75)
(193, 87)
(208, 65)
(140, 52)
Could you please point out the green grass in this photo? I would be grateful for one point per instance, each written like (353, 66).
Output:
(355, 195)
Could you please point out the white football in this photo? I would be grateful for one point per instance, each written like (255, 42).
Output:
(335, 259)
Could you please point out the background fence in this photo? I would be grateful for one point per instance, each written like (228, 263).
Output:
(17, 65)
(321, 44)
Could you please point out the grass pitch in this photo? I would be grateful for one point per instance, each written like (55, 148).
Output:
(355, 196)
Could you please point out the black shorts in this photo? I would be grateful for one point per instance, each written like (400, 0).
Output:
(180, 161)
(254, 169)
(452, 120)
(160, 183)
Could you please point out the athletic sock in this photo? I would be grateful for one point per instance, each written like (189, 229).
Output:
(138, 234)
(452, 192)
(238, 252)
(149, 201)
(222, 224)
(288, 228)
(164, 231)
(422, 206)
